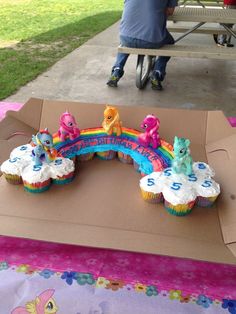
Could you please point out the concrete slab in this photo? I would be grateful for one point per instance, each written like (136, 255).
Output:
(82, 75)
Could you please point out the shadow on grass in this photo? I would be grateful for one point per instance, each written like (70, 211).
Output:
(24, 61)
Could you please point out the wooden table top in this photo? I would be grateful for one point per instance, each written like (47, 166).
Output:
(188, 14)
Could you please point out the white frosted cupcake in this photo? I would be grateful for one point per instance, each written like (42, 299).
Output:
(208, 191)
(150, 188)
(202, 169)
(179, 199)
(12, 169)
(36, 179)
(62, 170)
(24, 151)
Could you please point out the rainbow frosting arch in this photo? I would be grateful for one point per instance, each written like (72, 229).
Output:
(93, 140)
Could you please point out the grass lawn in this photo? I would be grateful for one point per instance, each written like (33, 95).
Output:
(34, 34)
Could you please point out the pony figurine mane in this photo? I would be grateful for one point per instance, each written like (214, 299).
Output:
(151, 137)
(111, 123)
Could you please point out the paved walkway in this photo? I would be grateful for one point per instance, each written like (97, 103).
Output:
(81, 76)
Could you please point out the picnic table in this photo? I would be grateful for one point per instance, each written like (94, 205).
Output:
(202, 3)
(187, 14)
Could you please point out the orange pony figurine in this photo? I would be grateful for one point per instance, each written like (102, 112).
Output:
(111, 123)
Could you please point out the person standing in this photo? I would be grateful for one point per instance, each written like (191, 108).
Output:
(143, 25)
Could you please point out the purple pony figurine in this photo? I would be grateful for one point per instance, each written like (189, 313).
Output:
(68, 127)
(151, 137)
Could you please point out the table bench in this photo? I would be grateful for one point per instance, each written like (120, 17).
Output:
(200, 15)
(175, 28)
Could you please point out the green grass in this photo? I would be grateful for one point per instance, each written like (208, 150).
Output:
(34, 34)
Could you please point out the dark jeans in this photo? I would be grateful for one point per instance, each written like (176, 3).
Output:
(160, 63)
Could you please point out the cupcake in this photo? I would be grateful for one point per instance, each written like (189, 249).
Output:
(136, 166)
(208, 191)
(107, 155)
(85, 157)
(36, 179)
(125, 158)
(179, 209)
(179, 196)
(62, 170)
(24, 151)
(151, 188)
(12, 169)
(202, 169)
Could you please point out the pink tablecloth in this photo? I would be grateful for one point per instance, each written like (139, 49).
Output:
(5, 106)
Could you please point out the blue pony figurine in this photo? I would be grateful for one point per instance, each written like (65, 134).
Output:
(182, 162)
(43, 150)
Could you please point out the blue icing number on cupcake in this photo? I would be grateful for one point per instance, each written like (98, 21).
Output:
(207, 184)
(23, 147)
(12, 160)
(201, 166)
(58, 162)
(168, 172)
(150, 181)
(176, 186)
(37, 168)
(192, 178)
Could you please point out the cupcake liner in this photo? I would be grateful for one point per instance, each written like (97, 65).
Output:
(180, 209)
(37, 187)
(136, 166)
(107, 155)
(125, 158)
(206, 201)
(13, 179)
(64, 179)
(152, 197)
(86, 157)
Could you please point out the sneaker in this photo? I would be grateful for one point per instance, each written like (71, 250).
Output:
(228, 45)
(156, 80)
(114, 78)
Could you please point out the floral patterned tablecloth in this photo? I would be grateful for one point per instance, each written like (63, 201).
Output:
(79, 280)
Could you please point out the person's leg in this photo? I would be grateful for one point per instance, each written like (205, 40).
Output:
(159, 70)
(118, 68)
(228, 40)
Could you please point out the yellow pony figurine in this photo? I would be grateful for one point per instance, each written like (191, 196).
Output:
(111, 123)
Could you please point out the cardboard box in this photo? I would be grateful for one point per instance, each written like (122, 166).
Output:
(103, 207)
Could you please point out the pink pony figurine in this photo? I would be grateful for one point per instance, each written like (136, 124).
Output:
(43, 304)
(68, 127)
(151, 137)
